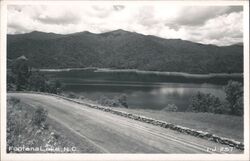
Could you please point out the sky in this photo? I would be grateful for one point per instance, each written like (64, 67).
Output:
(218, 25)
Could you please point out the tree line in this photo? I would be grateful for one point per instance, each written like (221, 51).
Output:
(233, 104)
(21, 77)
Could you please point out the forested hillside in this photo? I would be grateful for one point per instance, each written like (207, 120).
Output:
(123, 50)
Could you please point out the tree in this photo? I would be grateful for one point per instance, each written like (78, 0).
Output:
(202, 102)
(234, 97)
(21, 70)
(11, 81)
(37, 82)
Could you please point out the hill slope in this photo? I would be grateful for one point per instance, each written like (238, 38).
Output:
(124, 50)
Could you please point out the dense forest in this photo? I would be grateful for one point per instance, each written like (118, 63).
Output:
(123, 50)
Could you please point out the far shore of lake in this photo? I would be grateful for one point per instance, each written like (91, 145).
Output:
(111, 70)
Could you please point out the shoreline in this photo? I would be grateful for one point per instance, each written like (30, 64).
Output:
(164, 73)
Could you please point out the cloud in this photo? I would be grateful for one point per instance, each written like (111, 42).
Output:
(56, 15)
(195, 16)
(18, 20)
(220, 25)
(146, 17)
(64, 19)
(118, 7)
(223, 30)
(17, 28)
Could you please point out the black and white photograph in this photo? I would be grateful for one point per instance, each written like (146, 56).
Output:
(125, 78)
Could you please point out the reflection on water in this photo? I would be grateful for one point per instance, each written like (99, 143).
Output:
(147, 96)
(155, 94)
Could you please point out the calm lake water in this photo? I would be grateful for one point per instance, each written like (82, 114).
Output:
(150, 91)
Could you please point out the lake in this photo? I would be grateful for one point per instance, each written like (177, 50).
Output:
(143, 90)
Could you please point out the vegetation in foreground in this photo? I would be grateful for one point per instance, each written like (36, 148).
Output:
(29, 130)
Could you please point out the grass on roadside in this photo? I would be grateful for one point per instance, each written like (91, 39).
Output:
(223, 125)
(30, 130)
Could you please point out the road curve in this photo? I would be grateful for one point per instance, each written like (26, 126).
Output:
(115, 134)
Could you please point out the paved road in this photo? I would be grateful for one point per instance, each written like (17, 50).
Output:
(115, 134)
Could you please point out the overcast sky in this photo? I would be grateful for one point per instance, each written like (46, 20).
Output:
(219, 25)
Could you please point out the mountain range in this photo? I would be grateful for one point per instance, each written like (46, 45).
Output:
(121, 49)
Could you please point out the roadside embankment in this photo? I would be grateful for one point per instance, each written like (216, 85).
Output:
(30, 130)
